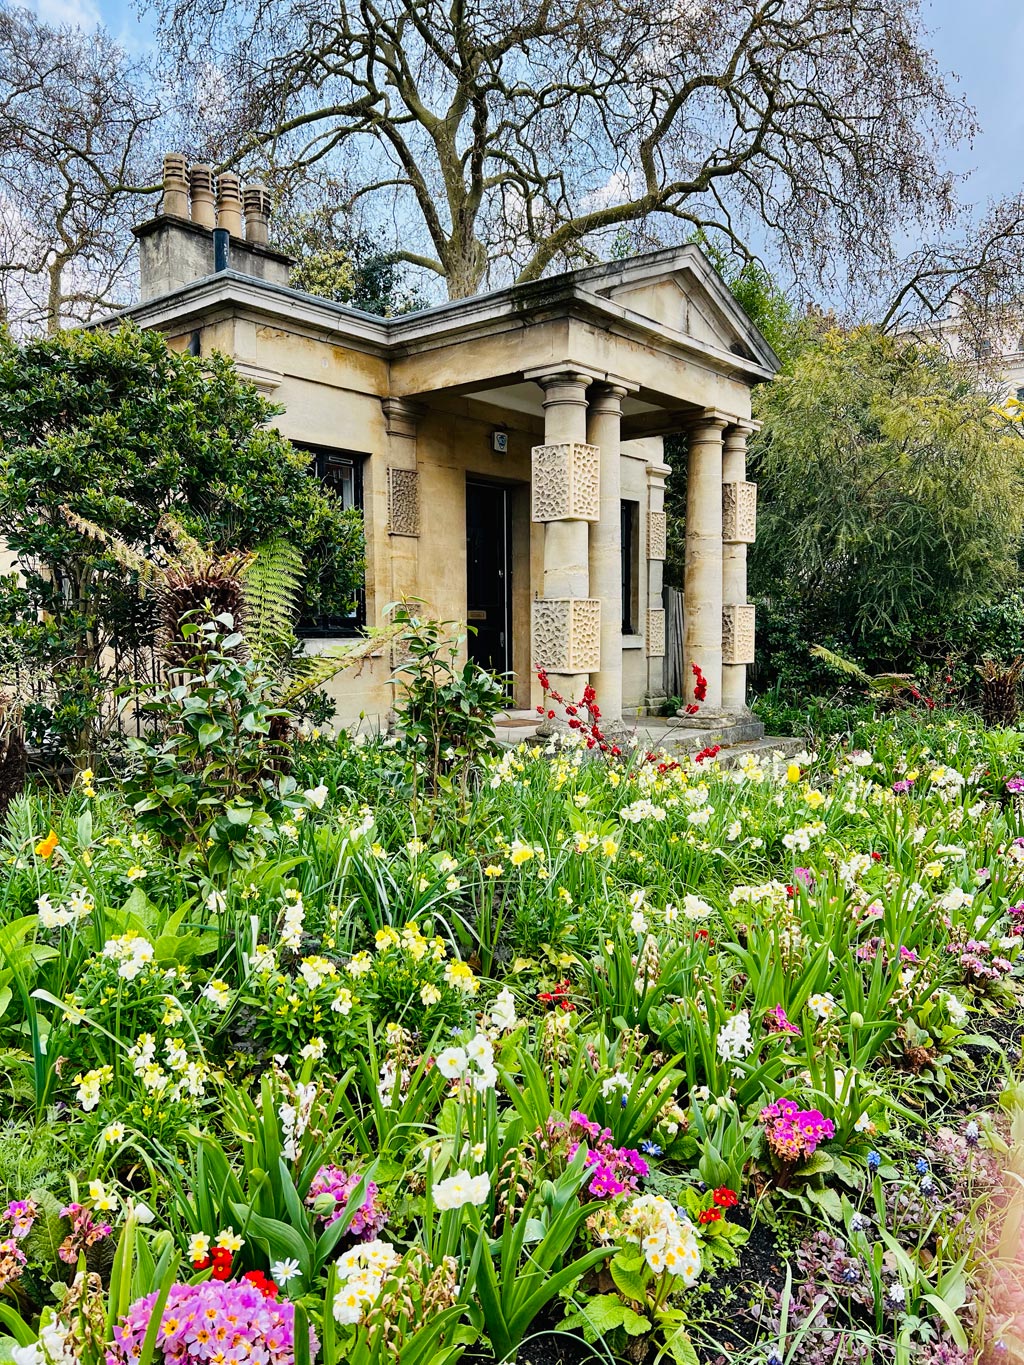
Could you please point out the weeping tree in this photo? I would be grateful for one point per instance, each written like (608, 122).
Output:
(891, 500)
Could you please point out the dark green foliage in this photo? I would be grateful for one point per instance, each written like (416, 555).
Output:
(120, 430)
(206, 779)
(890, 504)
(335, 260)
(446, 709)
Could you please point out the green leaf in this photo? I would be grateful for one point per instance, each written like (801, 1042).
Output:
(632, 1283)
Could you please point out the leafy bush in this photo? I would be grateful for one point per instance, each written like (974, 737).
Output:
(118, 429)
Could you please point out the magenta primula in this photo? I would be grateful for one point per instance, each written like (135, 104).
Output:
(614, 1169)
(232, 1322)
(793, 1133)
(367, 1220)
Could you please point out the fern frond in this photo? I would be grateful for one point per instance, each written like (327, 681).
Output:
(840, 665)
(190, 552)
(314, 670)
(124, 554)
(271, 583)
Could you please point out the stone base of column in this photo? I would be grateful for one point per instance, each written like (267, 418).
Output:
(710, 716)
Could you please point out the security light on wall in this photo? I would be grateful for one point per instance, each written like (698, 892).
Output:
(499, 441)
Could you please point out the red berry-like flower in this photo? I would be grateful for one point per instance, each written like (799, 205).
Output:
(726, 1198)
(709, 1216)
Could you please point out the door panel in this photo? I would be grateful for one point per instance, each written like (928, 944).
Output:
(488, 576)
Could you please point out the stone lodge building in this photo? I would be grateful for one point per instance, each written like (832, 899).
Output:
(505, 449)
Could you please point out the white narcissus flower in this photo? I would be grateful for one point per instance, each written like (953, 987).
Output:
(316, 796)
(452, 1062)
(283, 1271)
(503, 1011)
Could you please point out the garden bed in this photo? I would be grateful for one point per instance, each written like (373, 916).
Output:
(595, 1058)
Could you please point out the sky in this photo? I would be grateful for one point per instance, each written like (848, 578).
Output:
(979, 42)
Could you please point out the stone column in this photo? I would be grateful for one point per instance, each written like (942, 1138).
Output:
(739, 512)
(565, 496)
(403, 496)
(702, 576)
(657, 535)
(604, 430)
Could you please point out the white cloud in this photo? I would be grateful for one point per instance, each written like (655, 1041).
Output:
(77, 13)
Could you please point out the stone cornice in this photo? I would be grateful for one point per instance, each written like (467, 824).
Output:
(575, 295)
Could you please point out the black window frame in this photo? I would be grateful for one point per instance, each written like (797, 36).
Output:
(337, 627)
(629, 515)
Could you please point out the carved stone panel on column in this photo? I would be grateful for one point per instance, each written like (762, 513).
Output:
(655, 633)
(657, 534)
(739, 512)
(567, 634)
(738, 633)
(403, 501)
(566, 482)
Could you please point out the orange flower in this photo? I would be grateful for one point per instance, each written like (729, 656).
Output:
(45, 848)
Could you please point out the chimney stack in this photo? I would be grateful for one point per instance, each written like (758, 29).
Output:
(175, 200)
(200, 231)
(229, 203)
(203, 208)
(257, 215)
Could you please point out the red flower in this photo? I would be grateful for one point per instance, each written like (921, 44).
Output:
(877, 857)
(700, 687)
(540, 710)
(709, 1216)
(203, 1263)
(557, 995)
(221, 1263)
(551, 715)
(726, 1198)
(266, 1286)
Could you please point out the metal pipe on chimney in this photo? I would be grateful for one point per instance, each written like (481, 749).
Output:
(203, 207)
(229, 203)
(257, 215)
(175, 179)
(221, 249)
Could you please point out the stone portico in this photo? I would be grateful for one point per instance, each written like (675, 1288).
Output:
(506, 449)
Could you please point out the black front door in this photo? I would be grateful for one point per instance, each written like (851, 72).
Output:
(488, 576)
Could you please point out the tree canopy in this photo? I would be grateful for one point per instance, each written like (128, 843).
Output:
(503, 140)
(118, 430)
(890, 492)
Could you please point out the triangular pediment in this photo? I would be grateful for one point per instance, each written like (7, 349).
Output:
(681, 292)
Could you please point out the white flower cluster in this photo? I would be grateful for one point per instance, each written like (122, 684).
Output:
(295, 1118)
(734, 1038)
(503, 1011)
(132, 951)
(669, 1244)
(79, 904)
(854, 868)
(642, 810)
(772, 893)
(362, 1271)
(90, 1084)
(292, 918)
(180, 1078)
(461, 1189)
(474, 1063)
(801, 838)
(54, 1347)
(946, 780)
